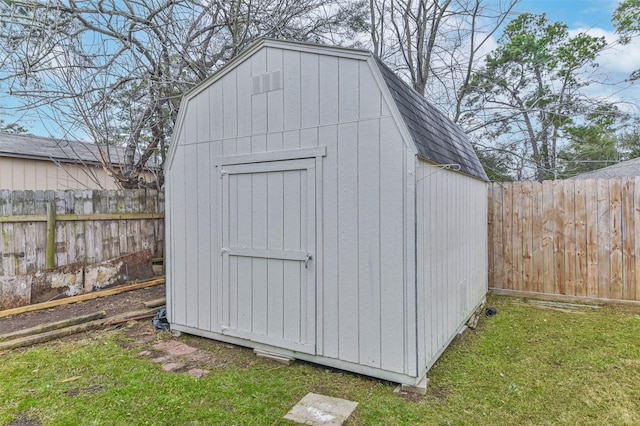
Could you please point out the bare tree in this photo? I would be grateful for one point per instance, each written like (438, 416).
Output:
(436, 43)
(115, 70)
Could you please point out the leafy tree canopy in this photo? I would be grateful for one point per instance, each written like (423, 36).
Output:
(529, 94)
(626, 19)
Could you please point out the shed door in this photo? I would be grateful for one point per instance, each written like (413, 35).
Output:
(269, 249)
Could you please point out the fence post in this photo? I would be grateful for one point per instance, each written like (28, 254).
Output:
(50, 261)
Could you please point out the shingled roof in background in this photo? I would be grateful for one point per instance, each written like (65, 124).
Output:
(39, 148)
(437, 138)
(622, 169)
(58, 150)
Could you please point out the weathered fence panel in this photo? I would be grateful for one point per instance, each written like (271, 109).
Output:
(577, 238)
(89, 226)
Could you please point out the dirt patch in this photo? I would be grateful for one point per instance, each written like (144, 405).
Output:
(193, 355)
(87, 390)
(24, 421)
(113, 305)
(185, 354)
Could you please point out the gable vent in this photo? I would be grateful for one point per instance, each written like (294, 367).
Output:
(267, 82)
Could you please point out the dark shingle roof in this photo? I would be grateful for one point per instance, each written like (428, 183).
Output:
(59, 150)
(38, 148)
(621, 169)
(437, 138)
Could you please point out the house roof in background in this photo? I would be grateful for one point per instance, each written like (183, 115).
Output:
(621, 169)
(58, 150)
(436, 137)
(39, 148)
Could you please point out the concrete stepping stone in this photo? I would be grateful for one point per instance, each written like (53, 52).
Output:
(320, 410)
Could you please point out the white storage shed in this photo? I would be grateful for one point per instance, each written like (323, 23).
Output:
(319, 208)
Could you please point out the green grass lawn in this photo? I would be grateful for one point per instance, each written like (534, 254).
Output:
(524, 366)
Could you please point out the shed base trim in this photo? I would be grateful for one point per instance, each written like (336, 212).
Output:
(316, 359)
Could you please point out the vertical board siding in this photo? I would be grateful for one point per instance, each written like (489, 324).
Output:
(204, 253)
(23, 245)
(368, 211)
(275, 98)
(310, 90)
(365, 284)
(589, 232)
(244, 86)
(452, 251)
(347, 235)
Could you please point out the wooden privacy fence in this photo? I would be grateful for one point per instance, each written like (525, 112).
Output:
(43, 229)
(577, 237)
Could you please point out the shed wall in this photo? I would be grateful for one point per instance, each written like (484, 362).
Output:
(365, 256)
(35, 175)
(452, 254)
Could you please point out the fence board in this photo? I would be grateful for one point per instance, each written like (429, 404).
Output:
(527, 234)
(93, 226)
(518, 229)
(547, 237)
(495, 232)
(569, 234)
(580, 221)
(591, 212)
(574, 237)
(537, 221)
(558, 238)
(604, 239)
(507, 227)
(615, 215)
(628, 239)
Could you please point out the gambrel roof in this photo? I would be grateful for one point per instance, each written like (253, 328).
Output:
(436, 137)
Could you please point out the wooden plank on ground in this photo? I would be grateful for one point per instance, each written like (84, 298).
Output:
(42, 328)
(74, 329)
(562, 297)
(82, 297)
(155, 303)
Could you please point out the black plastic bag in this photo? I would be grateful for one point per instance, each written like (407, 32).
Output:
(160, 320)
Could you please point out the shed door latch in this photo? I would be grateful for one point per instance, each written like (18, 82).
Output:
(307, 258)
